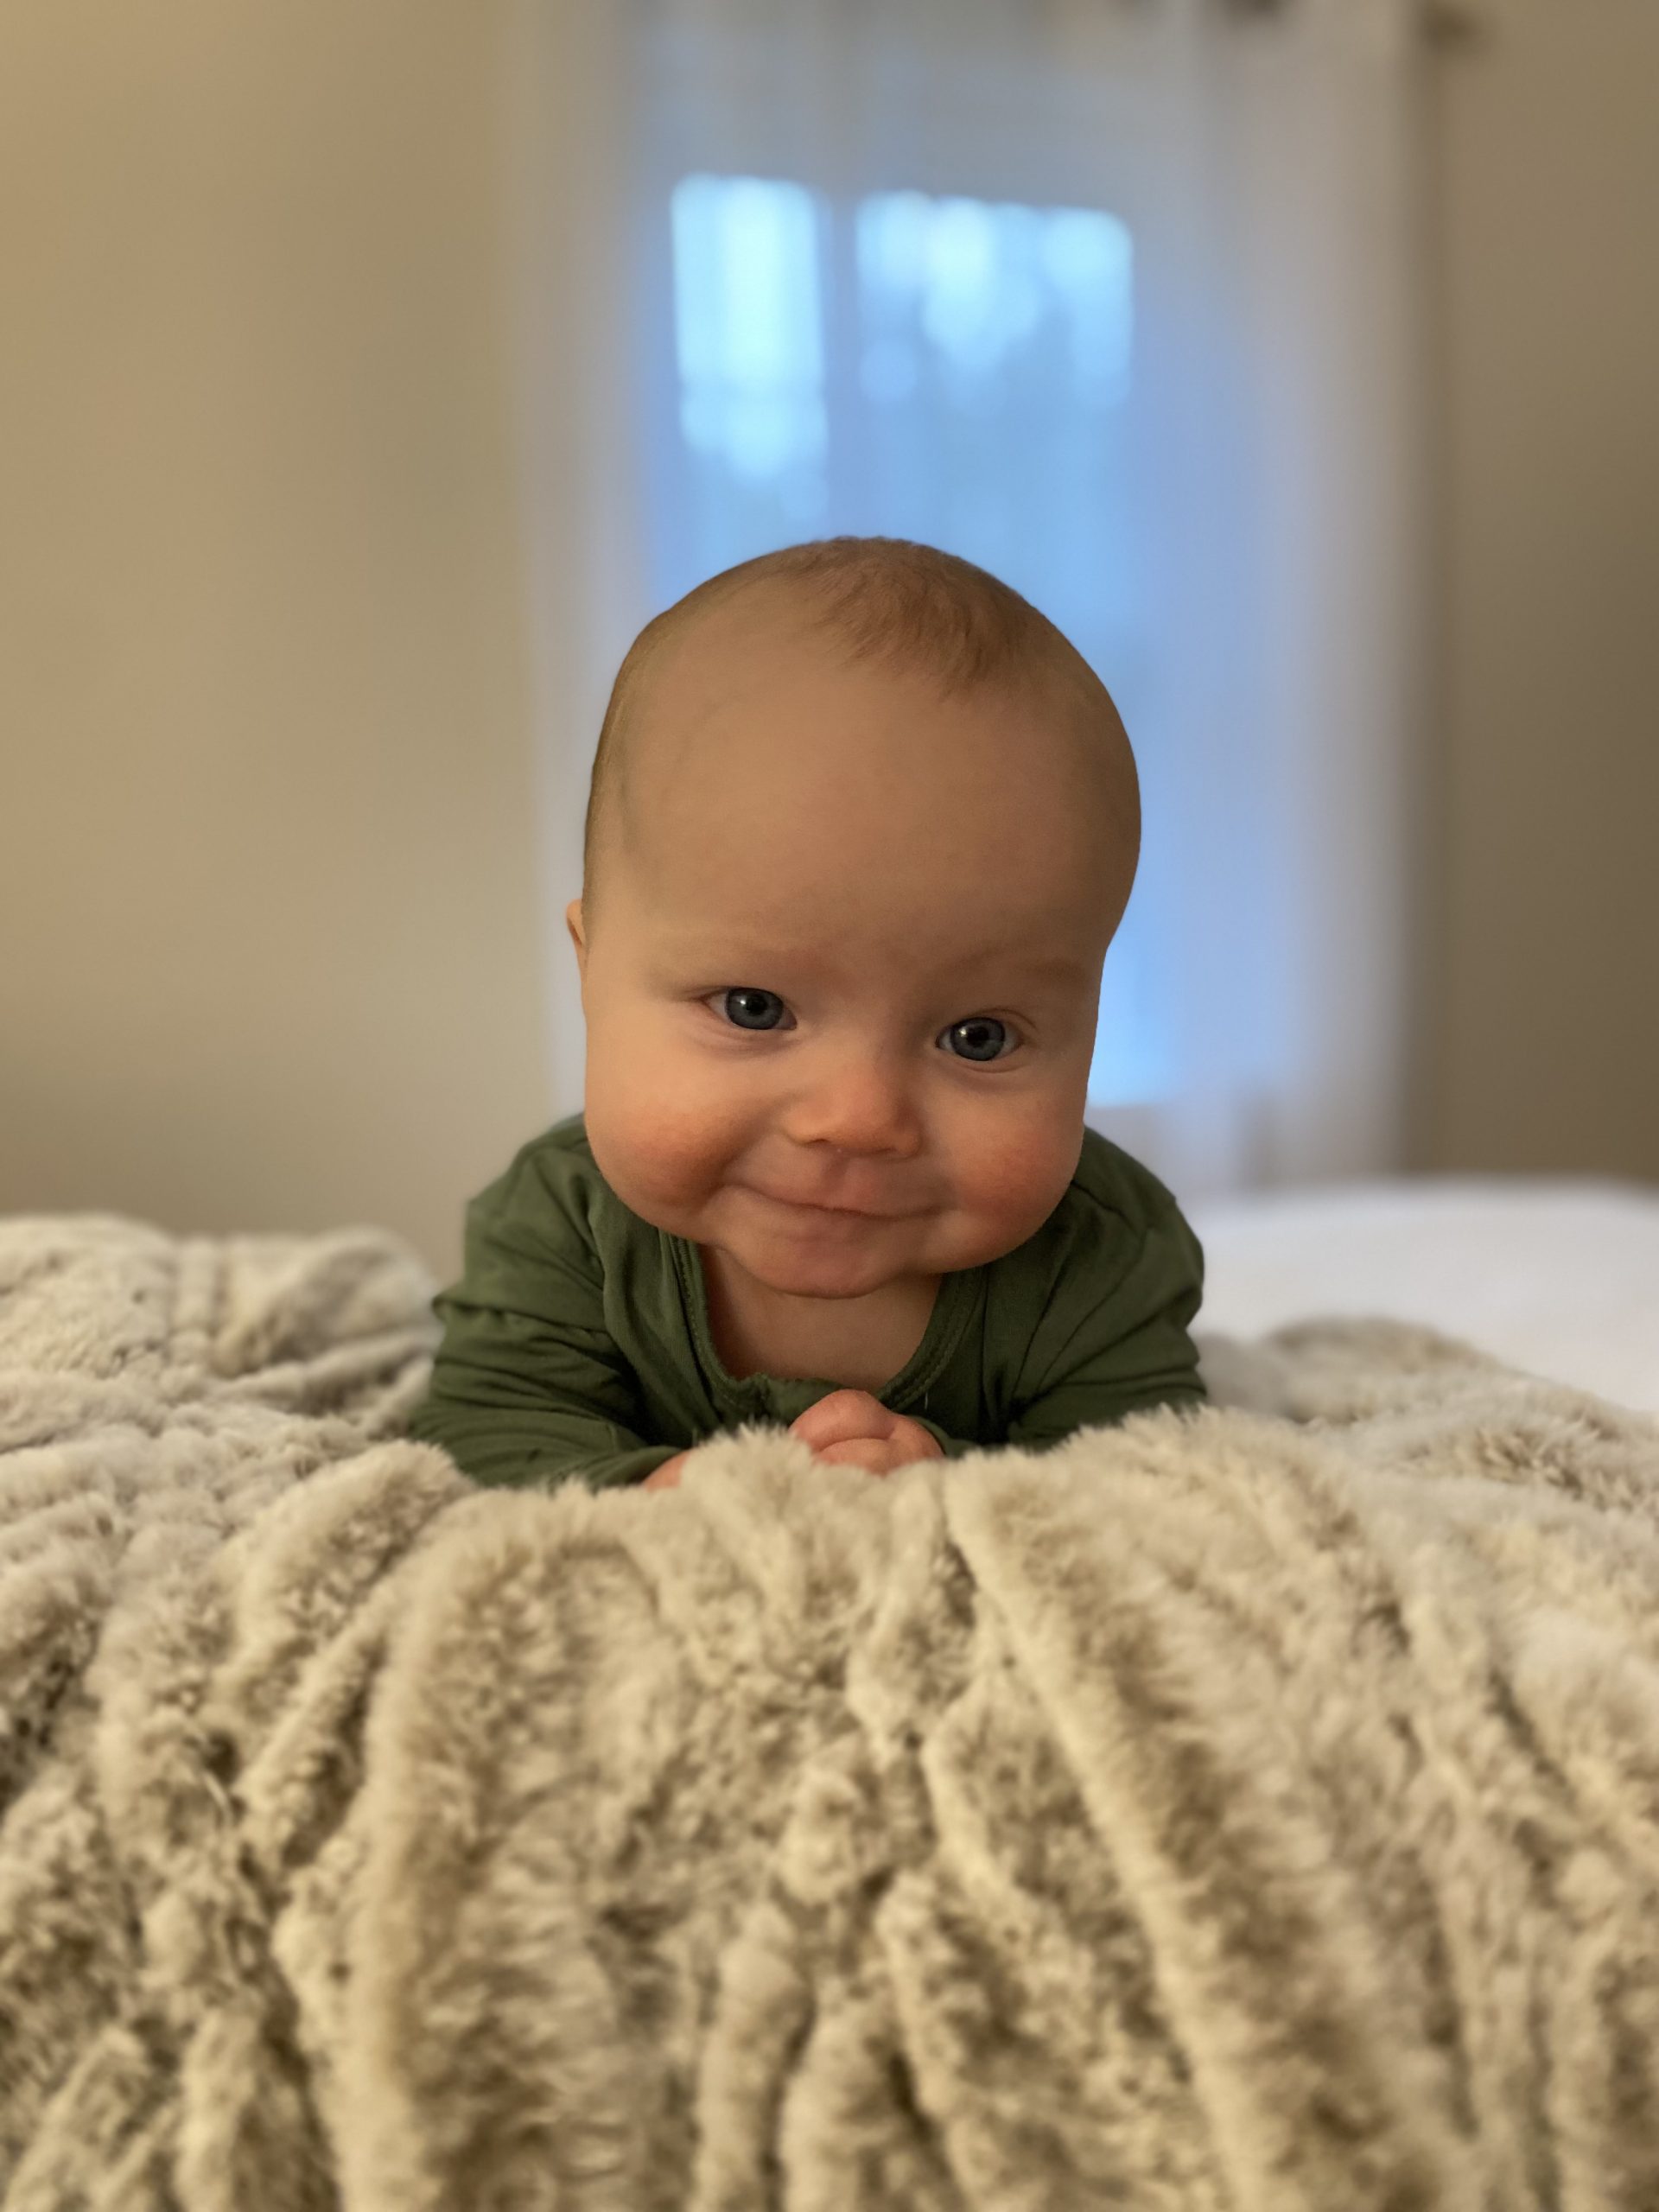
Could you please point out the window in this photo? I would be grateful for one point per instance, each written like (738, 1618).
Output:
(943, 368)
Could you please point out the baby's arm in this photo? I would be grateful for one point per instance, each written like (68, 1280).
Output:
(529, 1387)
(507, 1423)
(1130, 1350)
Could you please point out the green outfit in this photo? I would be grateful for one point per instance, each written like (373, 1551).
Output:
(576, 1343)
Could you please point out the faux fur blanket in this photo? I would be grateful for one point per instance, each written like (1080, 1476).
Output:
(1253, 1810)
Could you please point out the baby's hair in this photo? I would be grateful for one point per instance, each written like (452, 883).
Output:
(882, 599)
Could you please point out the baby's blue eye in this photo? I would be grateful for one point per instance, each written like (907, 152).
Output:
(753, 1009)
(982, 1037)
(748, 1008)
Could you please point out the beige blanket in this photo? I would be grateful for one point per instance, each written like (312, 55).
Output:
(1254, 1811)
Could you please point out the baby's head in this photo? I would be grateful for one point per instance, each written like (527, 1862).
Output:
(862, 825)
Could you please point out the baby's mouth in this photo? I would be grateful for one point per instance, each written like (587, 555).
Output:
(818, 1205)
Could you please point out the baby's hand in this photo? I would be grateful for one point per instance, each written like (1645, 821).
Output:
(849, 1428)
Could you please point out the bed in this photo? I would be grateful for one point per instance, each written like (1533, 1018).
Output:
(1558, 1278)
(1249, 1810)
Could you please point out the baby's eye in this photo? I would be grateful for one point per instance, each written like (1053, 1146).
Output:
(982, 1033)
(980, 1048)
(749, 1008)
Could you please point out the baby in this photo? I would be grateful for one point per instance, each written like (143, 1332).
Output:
(863, 824)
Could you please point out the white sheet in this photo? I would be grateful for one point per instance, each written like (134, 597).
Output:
(1558, 1278)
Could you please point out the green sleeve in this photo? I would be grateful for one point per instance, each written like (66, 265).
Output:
(528, 1387)
(1130, 1349)
(953, 1446)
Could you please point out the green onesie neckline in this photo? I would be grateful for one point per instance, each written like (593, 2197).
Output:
(952, 1304)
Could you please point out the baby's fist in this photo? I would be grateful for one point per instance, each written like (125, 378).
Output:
(850, 1428)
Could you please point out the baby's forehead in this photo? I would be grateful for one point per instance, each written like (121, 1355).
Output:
(892, 852)
(913, 939)
(776, 756)
(772, 668)
(802, 764)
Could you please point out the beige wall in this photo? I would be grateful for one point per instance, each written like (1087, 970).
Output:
(1543, 983)
(273, 947)
(270, 938)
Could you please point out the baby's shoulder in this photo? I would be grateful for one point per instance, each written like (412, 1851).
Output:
(1107, 1214)
(1109, 1180)
(553, 1189)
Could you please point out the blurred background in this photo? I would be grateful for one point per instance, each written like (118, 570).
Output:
(370, 373)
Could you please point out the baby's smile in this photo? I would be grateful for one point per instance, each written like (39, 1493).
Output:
(843, 1208)
(841, 983)
(861, 826)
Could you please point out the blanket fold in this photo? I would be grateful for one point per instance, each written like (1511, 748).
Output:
(1251, 1810)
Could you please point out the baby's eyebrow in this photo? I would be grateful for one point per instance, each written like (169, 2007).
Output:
(1064, 966)
(1010, 964)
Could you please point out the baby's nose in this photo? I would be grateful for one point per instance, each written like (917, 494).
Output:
(860, 1104)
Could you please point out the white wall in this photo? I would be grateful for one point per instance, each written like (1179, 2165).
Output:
(272, 949)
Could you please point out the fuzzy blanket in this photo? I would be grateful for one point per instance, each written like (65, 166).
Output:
(1254, 1811)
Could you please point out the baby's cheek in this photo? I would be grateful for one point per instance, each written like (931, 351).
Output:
(660, 1150)
(1009, 1189)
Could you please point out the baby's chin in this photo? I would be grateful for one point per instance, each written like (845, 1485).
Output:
(849, 1258)
(821, 1256)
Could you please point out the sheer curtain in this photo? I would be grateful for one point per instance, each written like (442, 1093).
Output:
(1118, 297)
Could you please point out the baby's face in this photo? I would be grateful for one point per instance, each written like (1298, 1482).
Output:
(841, 995)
